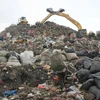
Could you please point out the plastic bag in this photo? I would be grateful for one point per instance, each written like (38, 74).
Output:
(95, 91)
(27, 57)
(3, 53)
(13, 61)
(95, 67)
(3, 59)
(83, 75)
(86, 85)
(71, 56)
(87, 64)
(82, 53)
(96, 79)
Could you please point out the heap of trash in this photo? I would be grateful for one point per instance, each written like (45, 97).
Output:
(44, 62)
(48, 28)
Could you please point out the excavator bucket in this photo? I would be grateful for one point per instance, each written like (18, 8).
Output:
(50, 10)
(61, 10)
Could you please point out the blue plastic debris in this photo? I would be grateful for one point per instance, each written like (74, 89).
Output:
(12, 92)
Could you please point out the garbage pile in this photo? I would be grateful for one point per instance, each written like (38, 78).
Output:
(15, 30)
(38, 66)
(48, 28)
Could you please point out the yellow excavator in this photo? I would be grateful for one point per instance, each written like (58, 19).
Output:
(22, 20)
(60, 13)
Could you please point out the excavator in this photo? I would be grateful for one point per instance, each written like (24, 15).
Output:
(22, 20)
(60, 13)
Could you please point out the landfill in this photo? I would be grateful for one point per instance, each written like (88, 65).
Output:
(44, 62)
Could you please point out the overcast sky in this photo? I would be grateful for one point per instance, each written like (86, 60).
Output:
(86, 12)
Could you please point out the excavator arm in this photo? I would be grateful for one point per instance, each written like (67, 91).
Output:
(60, 13)
(46, 18)
(76, 23)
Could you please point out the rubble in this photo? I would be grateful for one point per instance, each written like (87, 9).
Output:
(41, 62)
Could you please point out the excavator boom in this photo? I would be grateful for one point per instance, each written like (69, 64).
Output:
(76, 23)
(46, 18)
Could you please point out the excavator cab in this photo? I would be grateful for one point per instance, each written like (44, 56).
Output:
(60, 13)
(91, 35)
(98, 35)
(23, 20)
(82, 32)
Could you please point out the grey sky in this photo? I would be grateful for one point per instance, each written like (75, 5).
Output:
(84, 11)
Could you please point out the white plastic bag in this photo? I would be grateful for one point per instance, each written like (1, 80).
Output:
(3, 53)
(3, 59)
(27, 57)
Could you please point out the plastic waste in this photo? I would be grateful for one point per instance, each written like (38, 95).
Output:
(3, 59)
(78, 97)
(4, 99)
(12, 92)
(27, 57)
(30, 95)
(1, 82)
(96, 91)
(43, 86)
(75, 95)
(3, 53)
(13, 61)
(73, 88)
(74, 92)
(46, 67)
(56, 78)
